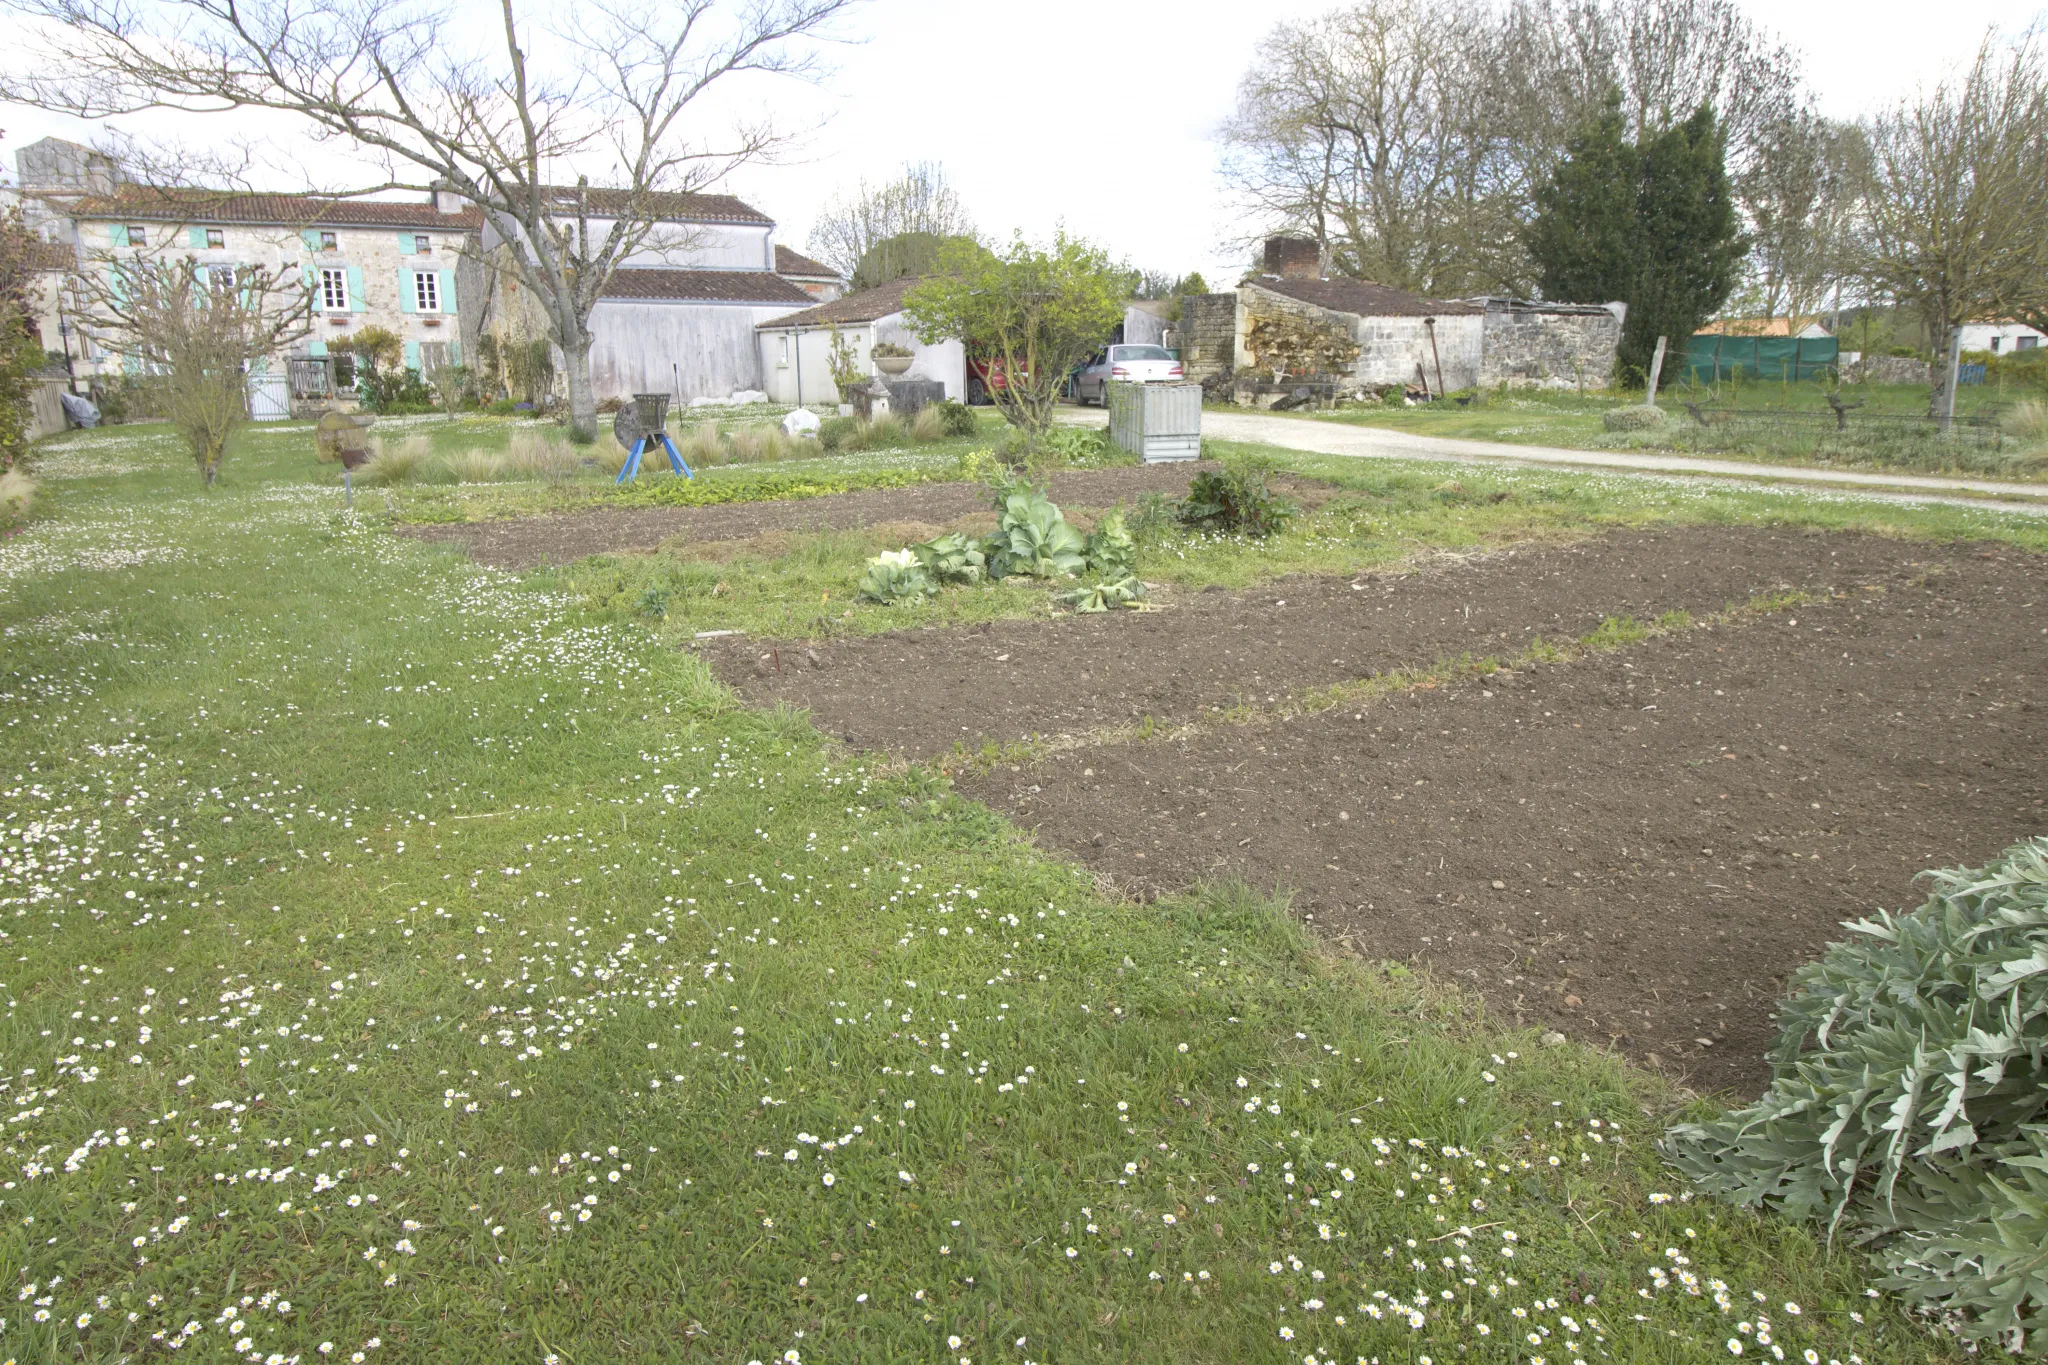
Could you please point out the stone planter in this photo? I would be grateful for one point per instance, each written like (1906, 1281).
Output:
(892, 365)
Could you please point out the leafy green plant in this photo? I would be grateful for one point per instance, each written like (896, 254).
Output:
(889, 350)
(1111, 550)
(951, 559)
(1910, 1081)
(895, 576)
(958, 417)
(1110, 591)
(1032, 538)
(1235, 499)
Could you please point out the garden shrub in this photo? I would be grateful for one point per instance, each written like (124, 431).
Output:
(833, 431)
(1635, 417)
(1236, 500)
(958, 417)
(1908, 1104)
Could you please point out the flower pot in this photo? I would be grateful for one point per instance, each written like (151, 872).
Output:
(892, 364)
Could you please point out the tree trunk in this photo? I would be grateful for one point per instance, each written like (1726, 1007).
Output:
(582, 403)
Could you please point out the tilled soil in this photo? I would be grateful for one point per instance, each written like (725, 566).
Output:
(1011, 680)
(560, 538)
(1634, 849)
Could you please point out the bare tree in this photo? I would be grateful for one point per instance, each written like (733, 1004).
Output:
(1371, 128)
(1408, 139)
(191, 333)
(919, 204)
(1803, 199)
(614, 84)
(1958, 201)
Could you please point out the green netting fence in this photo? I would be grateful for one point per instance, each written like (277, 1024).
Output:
(1709, 359)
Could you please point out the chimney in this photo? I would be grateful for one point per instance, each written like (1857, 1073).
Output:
(446, 200)
(1294, 258)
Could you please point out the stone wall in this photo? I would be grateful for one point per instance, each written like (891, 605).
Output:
(1528, 344)
(1389, 347)
(1207, 335)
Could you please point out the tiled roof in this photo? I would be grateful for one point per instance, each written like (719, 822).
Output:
(52, 256)
(271, 210)
(680, 208)
(1362, 298)
(703, 286)
(865, 306)
(796, 264)
(1755, 327)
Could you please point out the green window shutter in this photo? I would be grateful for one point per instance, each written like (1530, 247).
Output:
(311, 237)
(405, 299)
(455, 352)
(358, 302)
(412, 355)
(316, 348)
(197, 237)
(448, 292)
(405, 244)
(118, 232)
(117, 285)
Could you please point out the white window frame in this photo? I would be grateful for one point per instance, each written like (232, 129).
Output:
(422, 244)
(216, 239)
(426, 291)
(333, 285)
(221, 278)
(138, 234)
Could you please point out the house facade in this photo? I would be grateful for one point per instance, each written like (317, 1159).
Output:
(679, 315)
(2001, 337)
(406, 267)
(796, 349)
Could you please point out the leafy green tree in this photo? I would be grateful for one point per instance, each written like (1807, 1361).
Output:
(1650, 222)
(900, 257)
(1032, 313)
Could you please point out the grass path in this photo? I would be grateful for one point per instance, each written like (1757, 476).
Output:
(399, 964)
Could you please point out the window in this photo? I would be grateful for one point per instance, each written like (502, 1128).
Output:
(344, 369)
(216, 238)
(333, 290)
(2025, 343)
(433, 356)
(422, 244)
(1121, 353)
(327, 242)
(138, 235)
(221, 278)
(426, 291)
(1994, 344)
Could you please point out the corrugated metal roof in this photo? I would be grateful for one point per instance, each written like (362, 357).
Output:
(270, 210)
(703, 286)
(1362, 298)
(865, 306)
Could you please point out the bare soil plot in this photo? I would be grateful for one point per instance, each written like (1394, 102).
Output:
(1635, 849)
(1011, 680)
(527, 542)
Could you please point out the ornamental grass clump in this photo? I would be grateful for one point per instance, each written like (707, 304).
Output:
(1909, 1102)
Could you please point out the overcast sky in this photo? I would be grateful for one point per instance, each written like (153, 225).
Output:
(1101, 114)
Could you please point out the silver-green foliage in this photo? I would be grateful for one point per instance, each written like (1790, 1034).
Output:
(951, 558)
(1909, 1100)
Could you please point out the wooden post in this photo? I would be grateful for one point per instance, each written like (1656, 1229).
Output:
(1946, 414)
(1656, 372)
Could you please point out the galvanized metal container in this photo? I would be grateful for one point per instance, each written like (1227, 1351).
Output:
(1156, 422)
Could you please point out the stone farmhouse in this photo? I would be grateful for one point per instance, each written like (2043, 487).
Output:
(1403, 340)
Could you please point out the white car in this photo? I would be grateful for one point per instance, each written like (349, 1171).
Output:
(1136, 364)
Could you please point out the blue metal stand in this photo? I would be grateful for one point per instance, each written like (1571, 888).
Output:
(631, 469)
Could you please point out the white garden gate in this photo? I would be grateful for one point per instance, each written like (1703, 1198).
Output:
(270, 397)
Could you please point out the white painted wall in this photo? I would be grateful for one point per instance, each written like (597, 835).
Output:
(693, 246)
(688, 349)
(785, 349)
(1979, 336)
(945, 362)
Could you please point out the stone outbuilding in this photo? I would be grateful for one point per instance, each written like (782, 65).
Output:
(1403, 339)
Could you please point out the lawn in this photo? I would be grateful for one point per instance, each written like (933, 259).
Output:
(408, 962)
(1776, 423)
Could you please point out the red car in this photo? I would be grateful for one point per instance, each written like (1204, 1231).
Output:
(984, 373)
